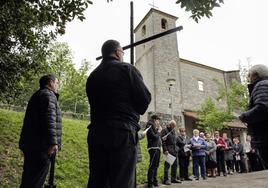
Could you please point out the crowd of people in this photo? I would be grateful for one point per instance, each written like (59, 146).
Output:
(117, 97)
(212, 154)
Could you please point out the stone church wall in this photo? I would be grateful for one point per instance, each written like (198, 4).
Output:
(190, 75)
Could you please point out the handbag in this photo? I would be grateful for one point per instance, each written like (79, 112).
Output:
(211, 162)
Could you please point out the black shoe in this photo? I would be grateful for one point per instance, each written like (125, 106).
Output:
(224, 174)
(150, 186)
(196, 178)
(155, 184)
(188, 179)
(175, 181)
(204, 178)
(166, 182)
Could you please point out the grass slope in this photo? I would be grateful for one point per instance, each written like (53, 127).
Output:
(71, 162)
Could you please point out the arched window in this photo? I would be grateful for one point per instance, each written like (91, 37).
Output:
(164, 23)
(143, 30)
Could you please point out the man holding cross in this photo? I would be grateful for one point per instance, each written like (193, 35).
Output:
(117, 96)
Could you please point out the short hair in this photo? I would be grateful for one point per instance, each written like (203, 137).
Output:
(260, 70)
(109, 47)
(172, 122)
(196, 131)
(155, 117)
(44, 80)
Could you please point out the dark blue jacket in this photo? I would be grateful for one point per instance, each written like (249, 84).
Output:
(42, 122)
(257, 115)
(201, 151)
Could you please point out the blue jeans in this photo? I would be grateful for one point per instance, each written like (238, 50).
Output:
(199, 161)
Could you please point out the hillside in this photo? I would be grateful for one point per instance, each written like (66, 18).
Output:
(71, 162)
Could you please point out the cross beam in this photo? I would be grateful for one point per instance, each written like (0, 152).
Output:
(149, 39)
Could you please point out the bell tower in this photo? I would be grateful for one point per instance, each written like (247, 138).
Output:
(158, 61)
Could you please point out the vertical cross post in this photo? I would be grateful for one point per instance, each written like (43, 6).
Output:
(131, 34)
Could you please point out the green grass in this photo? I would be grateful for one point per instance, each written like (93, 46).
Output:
(71, 162)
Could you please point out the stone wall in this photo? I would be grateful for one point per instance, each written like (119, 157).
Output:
(190, 75)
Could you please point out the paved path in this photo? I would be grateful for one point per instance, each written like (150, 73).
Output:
(248, 180)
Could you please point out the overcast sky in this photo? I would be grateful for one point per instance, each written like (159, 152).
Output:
(237, 31)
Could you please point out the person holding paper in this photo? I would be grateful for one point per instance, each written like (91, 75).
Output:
(169, 147)
(154, 146)
(198, 154)
(183, 142)
(238, 156)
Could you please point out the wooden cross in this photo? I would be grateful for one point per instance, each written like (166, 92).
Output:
(133, 44)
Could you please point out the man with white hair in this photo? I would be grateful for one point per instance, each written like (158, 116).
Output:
(169, 147)
(257, 114)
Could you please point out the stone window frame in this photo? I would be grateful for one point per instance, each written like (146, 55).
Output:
(200, 84)
(143, 30)
(164, 24)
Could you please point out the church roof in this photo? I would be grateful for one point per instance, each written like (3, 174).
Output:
(234, 124)
(152, 10)
(206, 66)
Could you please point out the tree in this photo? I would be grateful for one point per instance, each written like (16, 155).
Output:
(199, 8)
(73, 92)
(72, 82)
(60, 61)
(26, 29)
(236, 96)
(211, 118)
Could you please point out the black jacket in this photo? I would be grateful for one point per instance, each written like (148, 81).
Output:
(153, 136)
(116, 92)
(42, 122)
(257, 115)
(238, 149)
(169, 142)
(181, 141)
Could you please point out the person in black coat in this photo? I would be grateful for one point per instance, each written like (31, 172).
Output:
(169, 147)
(184, 143)
(256, 116)
(238, 156)
(154, 148)
(117, 96)
(41, 132)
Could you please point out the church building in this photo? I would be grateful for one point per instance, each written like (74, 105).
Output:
(178, 86)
